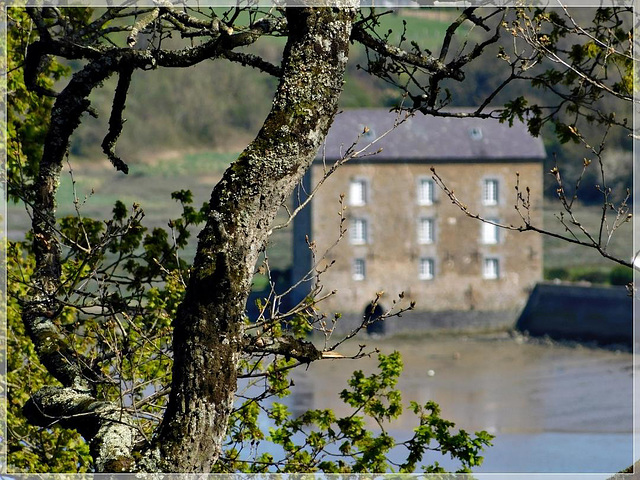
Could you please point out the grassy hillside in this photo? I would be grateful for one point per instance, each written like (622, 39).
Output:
(560, 254)
(220, 105)
(96, 185)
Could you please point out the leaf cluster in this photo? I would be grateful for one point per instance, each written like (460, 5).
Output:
(28, 117)
(320, 441)
(121, 287)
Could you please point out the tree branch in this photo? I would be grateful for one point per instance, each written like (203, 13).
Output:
(254, 61)
(116, 120)
(144, 21)
(429, 63)
(41, 310)
(287, 346)
(111, 432)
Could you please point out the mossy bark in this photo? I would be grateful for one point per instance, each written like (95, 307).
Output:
(52, 347)
(75, 405)
(208, 329)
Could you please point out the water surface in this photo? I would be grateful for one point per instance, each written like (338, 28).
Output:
(552, 407)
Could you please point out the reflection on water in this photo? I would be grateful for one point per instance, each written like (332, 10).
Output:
(553, 408)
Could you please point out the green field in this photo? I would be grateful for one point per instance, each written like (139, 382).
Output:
(97, 185)
(566, 261)
(559, 253)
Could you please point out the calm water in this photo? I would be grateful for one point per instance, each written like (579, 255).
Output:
(552, 408)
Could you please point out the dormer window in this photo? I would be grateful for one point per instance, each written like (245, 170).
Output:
(367, 132)
(475, 133)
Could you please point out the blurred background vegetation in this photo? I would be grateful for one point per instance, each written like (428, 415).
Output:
(184, 126)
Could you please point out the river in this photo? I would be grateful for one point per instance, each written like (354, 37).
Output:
(552, 407)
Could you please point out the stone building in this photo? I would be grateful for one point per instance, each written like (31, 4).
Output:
(403, 232)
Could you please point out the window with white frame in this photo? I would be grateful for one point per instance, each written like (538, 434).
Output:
(490, 191)
(490, 232)
(358, 269)
(426, 191)
(426, 230)
(491, 268)
(359, 231)
(426, 268)
(358, 192)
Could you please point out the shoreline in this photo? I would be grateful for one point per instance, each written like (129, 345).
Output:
(496, 335)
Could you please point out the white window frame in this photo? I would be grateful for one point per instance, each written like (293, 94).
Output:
(359, 231)
(358, 192)
(426, 191)
(490, 232)
(429, 272)
(426, 230)
(359, 269)
(491, 268)
(490, 191)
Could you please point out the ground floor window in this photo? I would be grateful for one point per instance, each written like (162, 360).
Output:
(426, 269)
(491, 268)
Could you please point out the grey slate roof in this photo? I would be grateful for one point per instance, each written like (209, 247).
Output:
(433, 139)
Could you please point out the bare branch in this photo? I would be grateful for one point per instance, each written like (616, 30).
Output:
(248, 59)
(144, 21)
(429, 63)
(116, 120)
(527, 226)
(112, 434)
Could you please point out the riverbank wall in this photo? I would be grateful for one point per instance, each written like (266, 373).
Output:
(418, 322)
(562, 311)
(579, 312)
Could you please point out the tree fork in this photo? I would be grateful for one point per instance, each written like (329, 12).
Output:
(104, 425)
(42, 308)
(208, 329)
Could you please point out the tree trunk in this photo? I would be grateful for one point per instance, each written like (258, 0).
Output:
(208, 330)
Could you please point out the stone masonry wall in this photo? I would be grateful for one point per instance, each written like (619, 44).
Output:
(392, 252)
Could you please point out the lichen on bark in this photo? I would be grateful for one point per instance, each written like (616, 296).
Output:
(208, 334)
(208, 329)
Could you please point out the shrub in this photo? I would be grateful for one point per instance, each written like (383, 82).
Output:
(556, 273)
(620, 275)
(589, 274)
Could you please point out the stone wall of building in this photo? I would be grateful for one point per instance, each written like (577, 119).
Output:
(392, 251)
